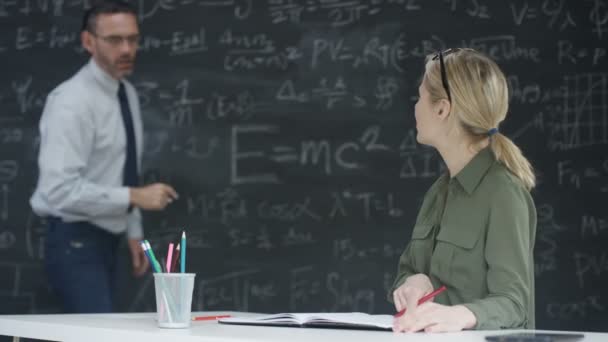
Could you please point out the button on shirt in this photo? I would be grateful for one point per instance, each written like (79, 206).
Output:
(83, 152)
(475, 234)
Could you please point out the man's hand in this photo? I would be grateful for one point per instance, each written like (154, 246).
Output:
(138, 258)
(433, 317)
(152, 197)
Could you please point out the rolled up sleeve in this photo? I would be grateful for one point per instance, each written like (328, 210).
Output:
(135, 229)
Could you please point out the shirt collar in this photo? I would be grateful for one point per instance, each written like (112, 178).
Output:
(106, 81)
(470, 176)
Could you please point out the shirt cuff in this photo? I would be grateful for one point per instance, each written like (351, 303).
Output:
(135, 229)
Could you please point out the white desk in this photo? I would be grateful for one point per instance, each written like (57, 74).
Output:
(134, 327)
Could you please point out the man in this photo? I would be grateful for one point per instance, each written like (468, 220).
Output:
(90, 154)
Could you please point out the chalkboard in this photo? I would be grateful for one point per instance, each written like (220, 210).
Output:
(287, 127)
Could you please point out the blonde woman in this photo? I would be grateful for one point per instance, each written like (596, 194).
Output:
(476, 228)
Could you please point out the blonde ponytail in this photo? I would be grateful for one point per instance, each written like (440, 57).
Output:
(480, 102)
(507, 153)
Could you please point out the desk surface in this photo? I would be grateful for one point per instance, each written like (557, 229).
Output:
(142, 327)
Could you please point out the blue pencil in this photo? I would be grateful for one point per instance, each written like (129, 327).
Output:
(183, 253)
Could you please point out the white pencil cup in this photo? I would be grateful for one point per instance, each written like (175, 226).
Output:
(174, 299)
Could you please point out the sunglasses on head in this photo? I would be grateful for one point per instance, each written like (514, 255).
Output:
(444, 76)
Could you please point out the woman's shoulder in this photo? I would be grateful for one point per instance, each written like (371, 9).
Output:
(504, 184)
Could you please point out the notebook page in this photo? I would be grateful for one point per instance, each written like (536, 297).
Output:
(270, 319)
(354, 318)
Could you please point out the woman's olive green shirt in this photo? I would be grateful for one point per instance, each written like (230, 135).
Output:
(475, 234)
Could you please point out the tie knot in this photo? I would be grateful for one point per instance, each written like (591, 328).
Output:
(121, 89)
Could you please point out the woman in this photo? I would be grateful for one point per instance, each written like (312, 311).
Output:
(476, 228)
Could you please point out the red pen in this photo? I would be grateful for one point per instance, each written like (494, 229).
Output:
(209, 318)
(424, 299)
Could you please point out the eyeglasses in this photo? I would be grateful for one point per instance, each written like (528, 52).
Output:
(115, 40)
(444, 75)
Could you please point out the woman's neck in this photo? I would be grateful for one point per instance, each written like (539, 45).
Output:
(457, 155)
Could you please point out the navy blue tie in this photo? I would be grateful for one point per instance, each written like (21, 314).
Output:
(130, 177)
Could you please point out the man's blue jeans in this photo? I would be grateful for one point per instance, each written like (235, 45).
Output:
(80, 262)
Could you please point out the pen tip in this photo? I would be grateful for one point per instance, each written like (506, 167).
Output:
(183, 234)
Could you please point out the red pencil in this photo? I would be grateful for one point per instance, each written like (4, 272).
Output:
(209, 318)
(175, 254)
(424, 299)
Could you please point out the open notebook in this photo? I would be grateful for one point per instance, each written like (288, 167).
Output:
(350, 320)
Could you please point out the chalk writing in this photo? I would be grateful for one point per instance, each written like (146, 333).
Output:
(27, 98)
(570, 174)
(592, 227)
(504, 48)
(339, 12)
(568, 52)
(589, 264)
(374, 51)
(228, 290)
(229, 206)
(546, 246)
(582, 120)
(7, 239)
(54, 38)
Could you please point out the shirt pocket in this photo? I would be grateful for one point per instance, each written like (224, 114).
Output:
(421, 247)
(458, 258)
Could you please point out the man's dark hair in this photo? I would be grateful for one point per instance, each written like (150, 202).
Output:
(89, 19)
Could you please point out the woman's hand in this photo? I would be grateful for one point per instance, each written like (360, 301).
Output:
(433, 317)
(409, 293)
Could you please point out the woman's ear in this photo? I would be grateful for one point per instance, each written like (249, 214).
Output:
(443, 108)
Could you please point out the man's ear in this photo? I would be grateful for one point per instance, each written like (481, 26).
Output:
(86, 38)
